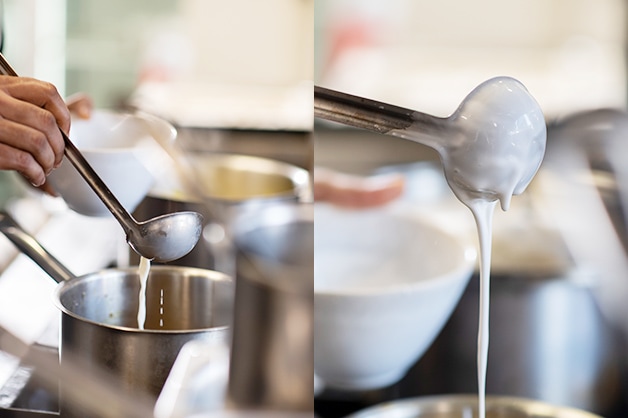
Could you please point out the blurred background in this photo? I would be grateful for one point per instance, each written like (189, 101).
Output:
(110, 49)
(425, 56)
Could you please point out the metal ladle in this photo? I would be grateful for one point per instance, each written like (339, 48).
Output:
(163, 238)
(490, 147)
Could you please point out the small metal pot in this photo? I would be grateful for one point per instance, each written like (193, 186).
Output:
(549, 341)
(455, 406)
(272, 350)
(231, 184)
(99, 319)
(99, 316)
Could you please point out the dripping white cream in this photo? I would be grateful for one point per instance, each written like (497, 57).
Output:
(495, 145)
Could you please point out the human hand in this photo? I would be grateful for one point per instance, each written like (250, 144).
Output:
(81, 105)
(354, 191)
(31, 113)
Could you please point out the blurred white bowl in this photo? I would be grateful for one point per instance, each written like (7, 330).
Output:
(120, 148)
(384, 286)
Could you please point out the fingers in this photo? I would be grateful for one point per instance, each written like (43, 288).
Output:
(39, 94)
(34, 131)
(80, 104)
(48, 189)
(22, 162)
(31, 113)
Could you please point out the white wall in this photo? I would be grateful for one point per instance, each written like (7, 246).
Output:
(428, 55)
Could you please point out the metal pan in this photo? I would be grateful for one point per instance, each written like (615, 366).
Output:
(465, 406)
(99, 314)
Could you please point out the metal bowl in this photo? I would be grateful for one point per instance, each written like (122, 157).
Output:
(465, 406)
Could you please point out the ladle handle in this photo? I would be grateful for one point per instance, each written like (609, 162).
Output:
(86, 171)
(375, 116)
(29, 246)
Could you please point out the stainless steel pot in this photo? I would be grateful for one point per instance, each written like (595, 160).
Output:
(548, 341)
(230, 184)
(272, 351)
(99, 316)
(465, 406)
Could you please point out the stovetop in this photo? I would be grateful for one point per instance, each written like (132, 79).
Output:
(24, 396)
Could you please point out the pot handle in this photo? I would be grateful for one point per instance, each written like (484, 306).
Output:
(29, 246)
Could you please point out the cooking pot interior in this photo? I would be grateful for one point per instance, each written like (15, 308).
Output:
(232, 183)
(177, 299)
(236, 178)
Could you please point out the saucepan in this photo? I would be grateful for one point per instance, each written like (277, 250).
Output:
(99, 310)
(466, 406)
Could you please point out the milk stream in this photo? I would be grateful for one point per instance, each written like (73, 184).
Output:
(496, 146)
(483, 213)
(143, 270)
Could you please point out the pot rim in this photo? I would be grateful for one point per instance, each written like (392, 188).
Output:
(63, 287)
(449, 403)
(298, 176)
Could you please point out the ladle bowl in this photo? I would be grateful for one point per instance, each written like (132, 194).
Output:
(167, 237)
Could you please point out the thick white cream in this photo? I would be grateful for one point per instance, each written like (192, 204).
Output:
(498, 144)
(492, 148)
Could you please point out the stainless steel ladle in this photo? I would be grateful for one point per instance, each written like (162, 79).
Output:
(163, 238)
(490, 147)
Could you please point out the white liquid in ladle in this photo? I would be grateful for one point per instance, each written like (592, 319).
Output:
(497, 143)
(143, 270)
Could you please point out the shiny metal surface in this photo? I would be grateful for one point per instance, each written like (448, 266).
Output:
(98, 394)
(231, 184)
(99, 321)
(372, 115)
(166, 238)
(99, 327)
(465, 406)
(156, 238)
(271, 359)
(29, 246)
(548, 341)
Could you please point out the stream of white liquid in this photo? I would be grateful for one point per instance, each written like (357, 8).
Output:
(143, 270)
(496, 147)
(483, 213)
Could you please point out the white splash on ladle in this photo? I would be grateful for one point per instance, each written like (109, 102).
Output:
(492, 148)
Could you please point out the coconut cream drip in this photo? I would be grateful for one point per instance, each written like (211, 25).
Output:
(492, 148)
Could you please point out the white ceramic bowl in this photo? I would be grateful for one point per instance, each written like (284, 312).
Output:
(120, 148)
(384, 286)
